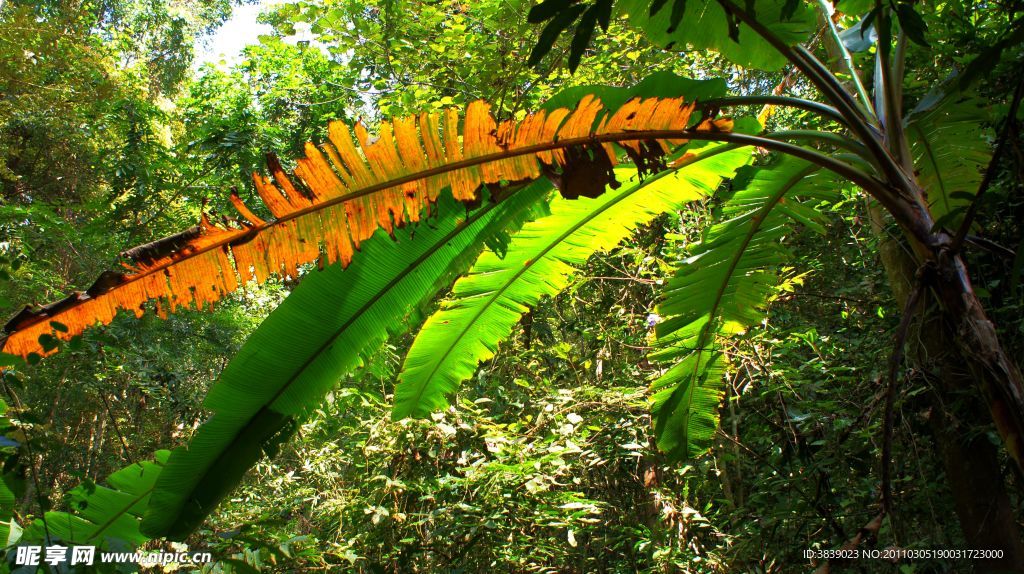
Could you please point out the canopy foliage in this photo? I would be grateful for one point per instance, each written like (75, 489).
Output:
(503, 283)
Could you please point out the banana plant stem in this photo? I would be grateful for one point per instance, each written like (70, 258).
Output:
(862, 92)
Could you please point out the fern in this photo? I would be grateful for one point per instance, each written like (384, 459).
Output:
(721, 290)
(498, 290)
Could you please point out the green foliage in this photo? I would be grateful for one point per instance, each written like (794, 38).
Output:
(505, 483)
(722, 289)
(315, 337)
(562, 14)
(663, 84)
(683, 25)
(11, 481)
(410, 56)
(951, 150)
(103, 516)
(540, 258)
(278, 98)
(108, 138)
(706, 24)
(407, 56)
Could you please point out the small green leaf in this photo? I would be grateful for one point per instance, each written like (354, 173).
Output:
(48, 342)
(58, 326)
(9, 360)
(547, 10)
(912, 23)
(580, 41)
(550, 33)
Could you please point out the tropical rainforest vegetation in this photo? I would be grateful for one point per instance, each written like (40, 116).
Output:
(503, 286)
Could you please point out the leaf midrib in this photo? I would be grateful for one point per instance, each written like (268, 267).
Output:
(110, 521)
(362, 310)
(100, 528)
(935, 165)
(757, 221)
(535, 260)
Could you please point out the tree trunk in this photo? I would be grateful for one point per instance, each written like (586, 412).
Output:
(979, 493)
(951, 358)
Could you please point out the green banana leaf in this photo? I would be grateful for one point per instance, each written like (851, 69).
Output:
(487, 303)
(317, 335)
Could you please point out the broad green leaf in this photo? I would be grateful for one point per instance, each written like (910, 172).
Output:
(104, 516)
(10, 478)
(722, 289)
(855, 7)
(10, 532)
(705, 25)
(487, 303)
(912, 24)
(951, 149)
(657, 85)
(317, 335)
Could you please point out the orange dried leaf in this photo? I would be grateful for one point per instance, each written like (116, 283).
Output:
(343, 192)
